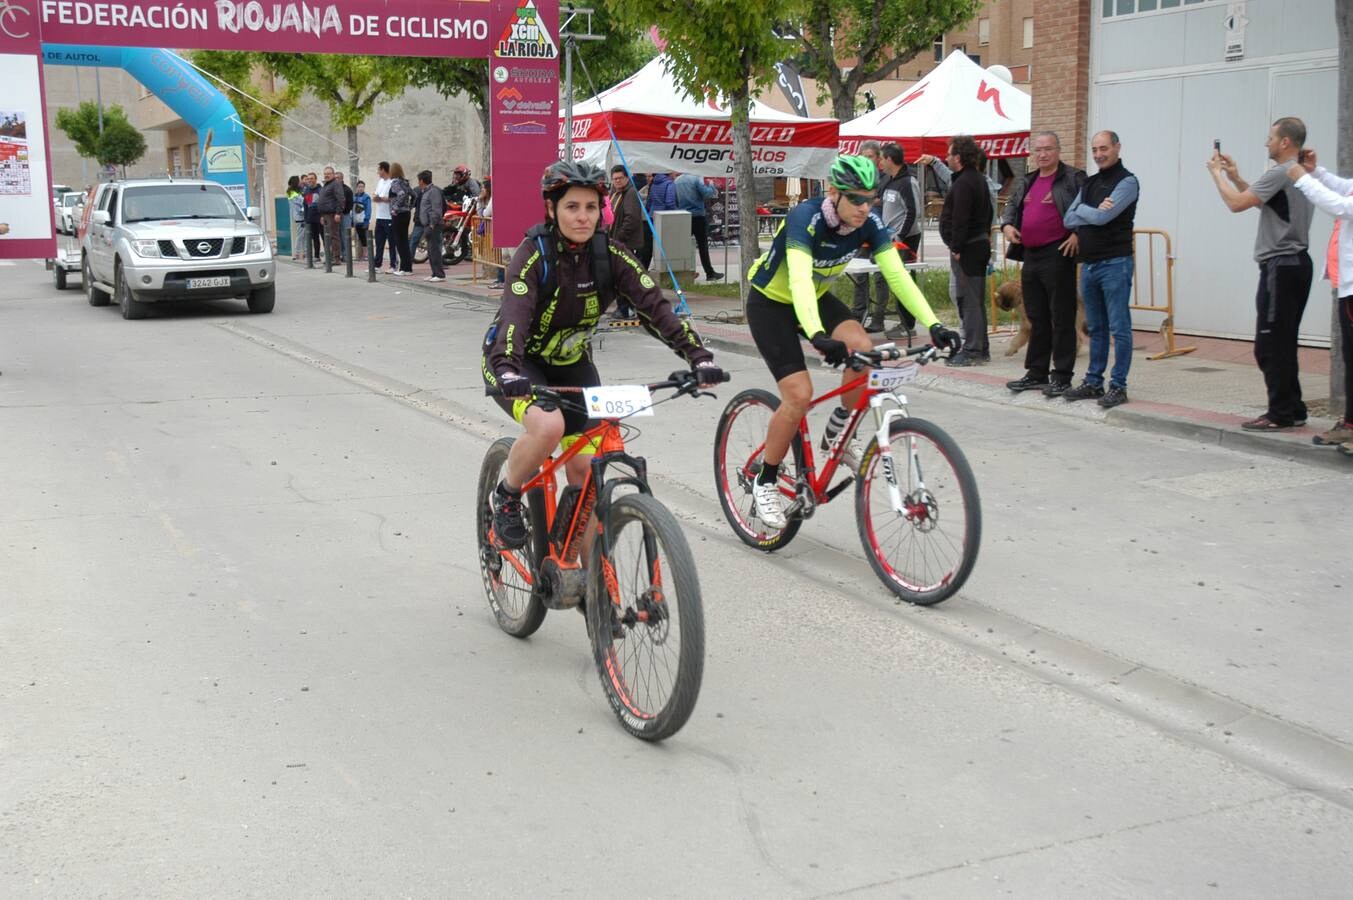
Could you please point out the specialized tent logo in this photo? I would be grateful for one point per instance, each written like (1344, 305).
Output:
(526, 37)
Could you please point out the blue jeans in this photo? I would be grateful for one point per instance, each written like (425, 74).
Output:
(1106, 287)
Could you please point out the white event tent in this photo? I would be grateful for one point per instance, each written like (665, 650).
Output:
(661, 128)
(957, 97)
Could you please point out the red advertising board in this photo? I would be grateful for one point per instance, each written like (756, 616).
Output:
(25, 163)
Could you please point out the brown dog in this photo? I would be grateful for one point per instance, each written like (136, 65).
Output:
(1010, 297)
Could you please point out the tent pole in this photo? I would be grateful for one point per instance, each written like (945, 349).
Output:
(568, 98)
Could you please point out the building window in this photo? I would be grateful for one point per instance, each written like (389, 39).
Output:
(939, 49)
(1028, 33)
(984, 31)
(1115, 8)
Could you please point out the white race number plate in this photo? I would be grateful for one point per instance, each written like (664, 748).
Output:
(213, 282)
(618, 400)
(887, 379)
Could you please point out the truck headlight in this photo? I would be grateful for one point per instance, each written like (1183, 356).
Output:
(254, 244)
(147, 248)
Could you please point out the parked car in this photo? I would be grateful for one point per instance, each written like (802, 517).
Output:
(68, 212)
(157, 240)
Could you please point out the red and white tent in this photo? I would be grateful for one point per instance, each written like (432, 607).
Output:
(661, 128)
(957, 97)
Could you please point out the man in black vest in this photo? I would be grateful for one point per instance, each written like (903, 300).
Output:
(1033, 221)
(965, 221)
(1102, 217)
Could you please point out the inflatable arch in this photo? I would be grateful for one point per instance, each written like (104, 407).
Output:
(220, 137)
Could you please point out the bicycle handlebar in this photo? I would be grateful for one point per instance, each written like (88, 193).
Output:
(862, 359)
(685, 381)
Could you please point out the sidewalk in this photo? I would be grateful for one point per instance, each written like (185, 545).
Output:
(1203, 395)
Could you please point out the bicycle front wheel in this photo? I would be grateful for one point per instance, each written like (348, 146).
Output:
(509, 577)
(645, 618)
(738, 442)
(924, 550)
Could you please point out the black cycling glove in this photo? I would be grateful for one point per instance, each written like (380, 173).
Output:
(834, 352)
(707, 373)
(513, 385)
(945, 338)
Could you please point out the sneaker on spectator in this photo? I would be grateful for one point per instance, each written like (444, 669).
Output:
(436, 278)
(1084, 391)
(1026, 383)
(962, 358)
(1056, 389)
(1341, 433)
(1115, 396)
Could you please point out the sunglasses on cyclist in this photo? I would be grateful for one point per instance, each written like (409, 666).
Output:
(858, 199)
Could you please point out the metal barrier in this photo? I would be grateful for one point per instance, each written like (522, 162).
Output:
(486, 258)
(1166, 326)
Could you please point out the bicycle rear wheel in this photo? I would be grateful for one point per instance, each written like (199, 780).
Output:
(924, 553)
(509, 576)
(738, 439)
(645, 618)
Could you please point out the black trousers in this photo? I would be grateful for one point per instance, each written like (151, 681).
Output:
(1279, 305)
(700, 231)
(433, 233)
(1049, 284)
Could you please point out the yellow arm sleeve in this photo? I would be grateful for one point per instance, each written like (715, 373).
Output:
(802, 290)
(902, 285)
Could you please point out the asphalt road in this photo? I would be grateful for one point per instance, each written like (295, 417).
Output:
(244, 650)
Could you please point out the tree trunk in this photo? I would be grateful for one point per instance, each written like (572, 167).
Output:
(843, 103)
(353, 159)
(1343, 15)
(748, 244)
(482, 110)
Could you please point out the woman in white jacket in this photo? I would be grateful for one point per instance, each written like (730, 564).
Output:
(1331, 193)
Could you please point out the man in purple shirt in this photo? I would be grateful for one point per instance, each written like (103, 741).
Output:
(1033, 222)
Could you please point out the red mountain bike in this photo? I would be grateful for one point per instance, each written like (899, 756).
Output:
(916, 503)
(639, 590)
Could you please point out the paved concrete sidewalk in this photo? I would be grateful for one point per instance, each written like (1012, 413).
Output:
(1203, 395)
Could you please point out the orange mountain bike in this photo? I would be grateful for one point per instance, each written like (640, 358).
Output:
(916, 503)
(638, 589)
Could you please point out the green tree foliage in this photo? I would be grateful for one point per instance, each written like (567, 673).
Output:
(246, 86)
(351, 86)
(81, 125)
(875, 37)
(121, 143)
(722, 46)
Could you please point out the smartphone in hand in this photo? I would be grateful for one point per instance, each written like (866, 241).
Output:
(1216, 146)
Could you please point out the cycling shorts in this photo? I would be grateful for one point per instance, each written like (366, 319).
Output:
(580, 374)
(777, 332)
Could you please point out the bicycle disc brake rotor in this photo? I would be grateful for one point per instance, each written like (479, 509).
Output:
(922, 510)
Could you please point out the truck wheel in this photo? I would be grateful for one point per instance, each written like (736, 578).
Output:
(126, 298)
(93, 293)
(263, 299)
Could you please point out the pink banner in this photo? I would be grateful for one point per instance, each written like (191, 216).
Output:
(523, 100)
(25, 163)
(369, 27)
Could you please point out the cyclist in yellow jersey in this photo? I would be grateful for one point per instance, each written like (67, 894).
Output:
(790, 297)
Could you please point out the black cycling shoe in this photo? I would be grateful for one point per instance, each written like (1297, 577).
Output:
(509, 524)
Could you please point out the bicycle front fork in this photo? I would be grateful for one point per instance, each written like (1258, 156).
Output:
(883, 422)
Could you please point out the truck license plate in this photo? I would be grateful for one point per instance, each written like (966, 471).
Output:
(213, 282)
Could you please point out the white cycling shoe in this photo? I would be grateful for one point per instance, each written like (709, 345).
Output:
(769, 508)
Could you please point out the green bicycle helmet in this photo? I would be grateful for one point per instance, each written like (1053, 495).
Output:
(854, 173)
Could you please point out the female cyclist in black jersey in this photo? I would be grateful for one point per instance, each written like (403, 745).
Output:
(790, 296)
(546, 340)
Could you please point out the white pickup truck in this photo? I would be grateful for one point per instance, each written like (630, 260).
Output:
(159, 240)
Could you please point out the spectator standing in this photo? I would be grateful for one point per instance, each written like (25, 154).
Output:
(661, 198)
(296, 206)
(964, 228)
(380, 212)
(313, 226)
(329, 203)
(1102, 216)
(401, 207)
(692, 192)
(1285, 269)
(862, 309)
(486, 229)
(431, 205)
(361, 218)
(901, 212)
(1034, 222)
(345, 230)
(1331, 193)
(628, 228)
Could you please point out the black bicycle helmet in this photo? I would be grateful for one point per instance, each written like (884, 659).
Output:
(566, 174)
(854, 173)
